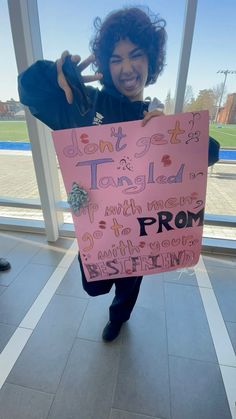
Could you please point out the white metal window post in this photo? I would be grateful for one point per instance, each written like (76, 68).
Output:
(28, 48)
(187, 38)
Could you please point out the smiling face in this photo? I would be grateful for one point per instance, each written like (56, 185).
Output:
(128, 66)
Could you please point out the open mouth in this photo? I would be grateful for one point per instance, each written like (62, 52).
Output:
(129, 84)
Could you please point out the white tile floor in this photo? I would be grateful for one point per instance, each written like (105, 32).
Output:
(174, 359)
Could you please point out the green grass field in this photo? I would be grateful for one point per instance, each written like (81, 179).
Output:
(225, 134)
(17, 131)
(13, 131)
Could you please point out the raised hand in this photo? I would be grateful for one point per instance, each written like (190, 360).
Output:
(81, 67)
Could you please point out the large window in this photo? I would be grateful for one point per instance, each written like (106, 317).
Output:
(73, 27)
(212, 85)
(78, 30)
(17, 175)
(70, 27)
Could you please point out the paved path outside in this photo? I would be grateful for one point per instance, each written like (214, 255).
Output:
(17, 179)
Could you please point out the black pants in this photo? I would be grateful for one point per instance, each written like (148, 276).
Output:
(126, 293)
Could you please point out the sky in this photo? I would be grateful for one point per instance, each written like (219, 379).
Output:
(68, 24)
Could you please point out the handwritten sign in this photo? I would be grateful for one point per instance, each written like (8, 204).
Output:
(146, 188)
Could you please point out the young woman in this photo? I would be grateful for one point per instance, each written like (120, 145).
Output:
(128, 53)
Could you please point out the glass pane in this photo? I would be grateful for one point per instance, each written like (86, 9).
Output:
(77, 20)
(17, 175)
(212, 86)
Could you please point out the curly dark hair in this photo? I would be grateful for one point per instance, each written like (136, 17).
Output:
(144, 29)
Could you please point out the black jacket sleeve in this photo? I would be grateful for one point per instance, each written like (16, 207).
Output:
(213, 151)
(39, 90)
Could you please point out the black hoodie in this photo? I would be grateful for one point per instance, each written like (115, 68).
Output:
(39, 90)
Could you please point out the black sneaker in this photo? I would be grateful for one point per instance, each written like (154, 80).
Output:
(4, 265)
(111, 331)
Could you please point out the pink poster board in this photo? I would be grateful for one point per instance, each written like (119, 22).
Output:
(146, 188)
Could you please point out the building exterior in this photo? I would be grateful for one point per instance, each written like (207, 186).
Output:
(3, 109)
(9, 109)
(227, 114)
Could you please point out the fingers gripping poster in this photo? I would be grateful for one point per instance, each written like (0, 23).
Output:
(137, 193)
